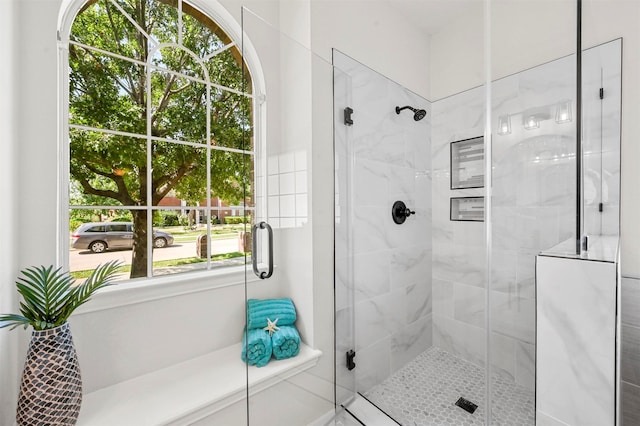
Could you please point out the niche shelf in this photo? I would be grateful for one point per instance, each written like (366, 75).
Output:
(185, 392)
(467, 163)
(467, 209)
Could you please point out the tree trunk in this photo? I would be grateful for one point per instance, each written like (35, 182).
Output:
(139, 257)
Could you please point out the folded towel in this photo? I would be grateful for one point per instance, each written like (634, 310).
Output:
(286, 342)
(256, 347)
(258, 311)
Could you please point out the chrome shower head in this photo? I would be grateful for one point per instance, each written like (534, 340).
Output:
(418, 114)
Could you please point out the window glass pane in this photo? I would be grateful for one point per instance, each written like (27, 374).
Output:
(102, 25)
(231, 120)
(232, 178)
(179, 106)
(107, 169)
(180, 242)
(118, 228)
(90, 243)
(106, 92)
(179, 172)
(200, 34)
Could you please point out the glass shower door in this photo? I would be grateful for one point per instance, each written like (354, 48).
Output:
(289, 304)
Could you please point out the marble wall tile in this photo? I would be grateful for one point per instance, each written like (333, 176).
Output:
(371, 182)
(410, 265)
(631, 301)
(379, 317)
(513, 316)
(442, 298)
(373, 364)
(526, 365)
(464, 340)
(630, 404)
(410, 342)
(503, 356)
(418, 300)
(469, 304)
(630, 362)
(371, 274)
(503, 270)
(368, 230)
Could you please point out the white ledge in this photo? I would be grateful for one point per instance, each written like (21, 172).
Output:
(192, 390)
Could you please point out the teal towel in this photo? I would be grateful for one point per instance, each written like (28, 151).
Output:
(256, 347)
(258, 311)
(286, 342)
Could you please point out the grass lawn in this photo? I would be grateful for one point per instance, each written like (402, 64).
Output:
(165, 263)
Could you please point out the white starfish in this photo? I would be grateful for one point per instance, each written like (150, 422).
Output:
(271, 328)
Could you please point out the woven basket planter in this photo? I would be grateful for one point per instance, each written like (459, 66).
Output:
(51, 388)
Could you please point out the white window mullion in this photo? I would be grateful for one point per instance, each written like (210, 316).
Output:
(149, 201)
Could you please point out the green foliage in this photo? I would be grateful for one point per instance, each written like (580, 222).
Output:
(49, 296)
(235, 220)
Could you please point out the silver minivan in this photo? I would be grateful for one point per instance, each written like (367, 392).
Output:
(100, 236)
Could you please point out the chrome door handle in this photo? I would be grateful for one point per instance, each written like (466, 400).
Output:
(254, 258)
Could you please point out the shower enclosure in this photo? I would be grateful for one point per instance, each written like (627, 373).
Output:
(438, 310)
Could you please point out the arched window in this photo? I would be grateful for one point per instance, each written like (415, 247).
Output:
(161, 152)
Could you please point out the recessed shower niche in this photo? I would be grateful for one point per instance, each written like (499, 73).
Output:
(467, 163)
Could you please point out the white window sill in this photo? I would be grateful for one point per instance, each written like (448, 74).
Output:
(138, 291)
(189, 391)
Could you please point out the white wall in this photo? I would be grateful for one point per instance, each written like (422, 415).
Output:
(375, 35)
(8, 214)
(528, 33)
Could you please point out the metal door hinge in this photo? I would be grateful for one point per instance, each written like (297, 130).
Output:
(602, 93)
(348, 121)
(350, 363)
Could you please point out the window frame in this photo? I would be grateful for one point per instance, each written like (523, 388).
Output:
(156, 287)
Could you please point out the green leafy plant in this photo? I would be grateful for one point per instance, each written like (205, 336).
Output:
(50, 296)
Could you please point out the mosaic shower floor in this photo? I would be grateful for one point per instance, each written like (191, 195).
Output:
(423, 393)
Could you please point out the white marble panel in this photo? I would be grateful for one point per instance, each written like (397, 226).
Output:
(371, 274)
(576, 340)
(369, 232)
(469, 304)
(525, 275)
(463, 340)
(410, 342)
(442, 293)
(503, 271)
(526, 365)
(402, 183)
(410, 265)
(418, 300)
(373, 364)
(513, 316)
(372, 323)
(371, 184)
(503, 356)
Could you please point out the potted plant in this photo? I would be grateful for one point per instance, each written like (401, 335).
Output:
(51, 387)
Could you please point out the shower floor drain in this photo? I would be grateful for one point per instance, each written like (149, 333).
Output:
(466, 405)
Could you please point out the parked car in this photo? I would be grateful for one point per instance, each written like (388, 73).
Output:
(101, 236)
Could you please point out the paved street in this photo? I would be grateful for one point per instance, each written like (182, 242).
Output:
(85, 259)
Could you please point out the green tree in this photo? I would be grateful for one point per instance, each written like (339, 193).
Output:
(167, 100)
